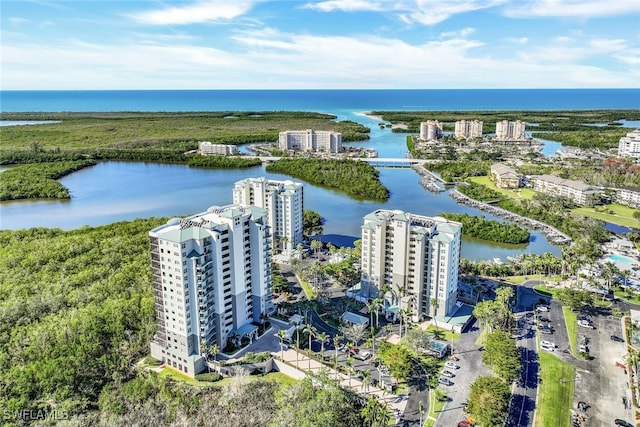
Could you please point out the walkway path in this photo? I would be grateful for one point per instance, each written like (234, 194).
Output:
(306, 364)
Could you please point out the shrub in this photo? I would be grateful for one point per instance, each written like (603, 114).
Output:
(209, 377)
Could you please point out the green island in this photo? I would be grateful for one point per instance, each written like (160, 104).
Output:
(357, 179)
(153, 136)
(482, 228)
(38, 181)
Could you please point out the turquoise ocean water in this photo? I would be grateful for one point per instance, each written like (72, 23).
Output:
(335, 101)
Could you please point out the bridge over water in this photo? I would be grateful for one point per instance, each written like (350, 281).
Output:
(389, 162)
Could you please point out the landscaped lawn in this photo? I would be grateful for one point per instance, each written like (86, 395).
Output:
(521, 193)
(446, 335)
(622, 215)
(435, 407)
(556, 392)
(178, 376)
(519, 279)
(571, 320)
(272, 376)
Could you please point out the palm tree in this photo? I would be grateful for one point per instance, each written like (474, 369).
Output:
(349, 363)
(376, 303)
(213, 352)
(322, 337)
(203, 352)
(366, 380)
(281, 334)
(336, 343)
(297, 343)
(435, 305)
(421, 410)
(309, 329)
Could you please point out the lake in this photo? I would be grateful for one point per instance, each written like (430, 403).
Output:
(117, 191)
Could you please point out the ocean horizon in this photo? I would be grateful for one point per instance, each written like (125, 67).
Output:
(320, 100)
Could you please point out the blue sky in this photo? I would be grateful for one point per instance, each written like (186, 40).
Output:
(361, 44)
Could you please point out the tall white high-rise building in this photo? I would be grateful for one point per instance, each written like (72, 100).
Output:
(284, 202)
(310, 140)
(468, 129)
(629, 146)
(212, 282)
(430, 130)
(416, 258)
(510, 131)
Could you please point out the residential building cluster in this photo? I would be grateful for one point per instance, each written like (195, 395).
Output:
(577, 191)
(629, 145)
(310, 140)
(212, 270)
(207, 148)
(507, 130)
(468, 129)
(416, 257)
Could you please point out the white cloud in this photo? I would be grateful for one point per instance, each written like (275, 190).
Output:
(199, 12)
(518, 40)
(629, 56)
(16, 21)
(271, 59)
(430, 12)
(347, 6)
(461, 33)
(571, 8)
(425, 12)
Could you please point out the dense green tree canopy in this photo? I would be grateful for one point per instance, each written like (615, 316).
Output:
(489, 401)
(482, 228)
(502, 356)
(355, 178)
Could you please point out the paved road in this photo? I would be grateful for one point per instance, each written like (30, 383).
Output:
(523, 400)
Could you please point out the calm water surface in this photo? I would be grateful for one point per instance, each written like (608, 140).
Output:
(116, 191)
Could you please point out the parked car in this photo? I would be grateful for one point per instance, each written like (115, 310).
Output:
(445, 381)
(353, 351)
(451, 365)
(583, 349)
(448, 374)
(548, 347)
(547, 344)
(362, 356)
(622, 423)
(542, 308)
(585, 324)
(616, 338)
(542, 319)
(546, 331)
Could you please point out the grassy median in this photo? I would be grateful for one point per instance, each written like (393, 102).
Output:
(571, 320)
(555, 392)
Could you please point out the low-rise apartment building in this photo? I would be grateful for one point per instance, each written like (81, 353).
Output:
(577, 191)
(629, 146)
(310, 140)
(629, 196)
(505, 176)
(207, 148)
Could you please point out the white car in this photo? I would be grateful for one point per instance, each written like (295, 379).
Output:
(585, 324)
(547, 344)
(547, 348)
(542, 308)
(451, 365)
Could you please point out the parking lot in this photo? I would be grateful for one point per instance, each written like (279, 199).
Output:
(599, 382)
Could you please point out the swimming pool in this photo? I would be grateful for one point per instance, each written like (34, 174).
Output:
(621, 258)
